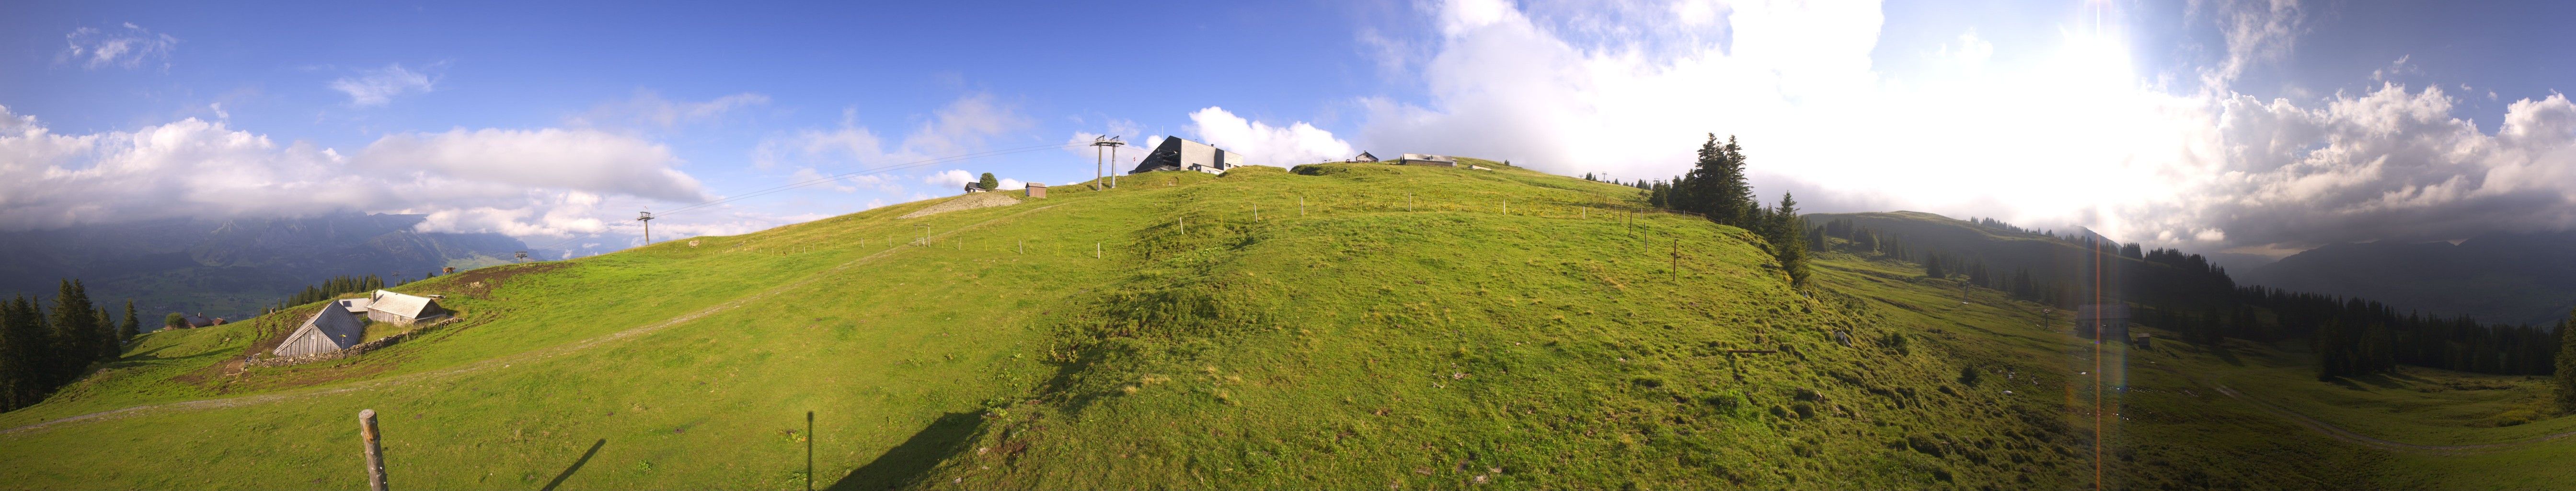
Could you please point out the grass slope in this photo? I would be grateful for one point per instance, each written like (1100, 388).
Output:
(1346, 326)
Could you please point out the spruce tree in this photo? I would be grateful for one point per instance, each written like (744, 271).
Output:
(2567, 365)
(133, 326)
(105, 333)
(1791, 248)
(15, 368)
(73, 344)
(1733, 203)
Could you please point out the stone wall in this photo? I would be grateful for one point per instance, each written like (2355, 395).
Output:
(360, 349)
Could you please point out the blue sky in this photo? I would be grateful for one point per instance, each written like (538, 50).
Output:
(2250, 127)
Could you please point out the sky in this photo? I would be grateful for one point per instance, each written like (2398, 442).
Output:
(2253, 128)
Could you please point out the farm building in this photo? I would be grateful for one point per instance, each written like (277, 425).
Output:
(332, 329)
(385, 306)
(972, 188)
(2102, 321)
(1364, 157)
(1427, 159)
(1178, 154)
(1036, 189)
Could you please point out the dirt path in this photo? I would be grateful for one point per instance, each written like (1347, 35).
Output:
(487, 364)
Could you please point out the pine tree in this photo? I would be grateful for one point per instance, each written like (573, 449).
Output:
(105, 333)
(16, 368)
(1733, 203)
(133, 326)
(988, 183)
(73, 344)
(1932, 267)
(2567, 365)
(1791, 243)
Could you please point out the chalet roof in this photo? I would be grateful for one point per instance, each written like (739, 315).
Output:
(356, 305)
(408, 306)
(1430, 157)
(1364, 157)
(330, 330)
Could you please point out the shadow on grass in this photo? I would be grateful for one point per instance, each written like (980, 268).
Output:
(576, 465)
(2223, 354)
(900, 466)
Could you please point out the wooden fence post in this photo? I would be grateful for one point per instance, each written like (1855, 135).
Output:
(375, 450)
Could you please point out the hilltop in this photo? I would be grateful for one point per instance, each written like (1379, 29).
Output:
(1333, 326)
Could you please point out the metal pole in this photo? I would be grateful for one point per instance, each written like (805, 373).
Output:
(1301, 205)
(375, 450)
(809, 451)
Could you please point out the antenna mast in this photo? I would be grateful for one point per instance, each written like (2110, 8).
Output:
(647, 218)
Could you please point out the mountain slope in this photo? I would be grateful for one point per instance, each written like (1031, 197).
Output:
(1373, 326)
(2500, 277)
(232, 268)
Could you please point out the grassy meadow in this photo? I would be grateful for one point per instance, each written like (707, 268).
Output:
(1343, 326)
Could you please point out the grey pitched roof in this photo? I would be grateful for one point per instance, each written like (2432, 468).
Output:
(408, 306)
(332, 329)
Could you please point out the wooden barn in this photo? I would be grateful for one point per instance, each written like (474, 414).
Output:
(385, 306)
(332, 329)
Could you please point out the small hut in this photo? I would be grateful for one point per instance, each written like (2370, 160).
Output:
(332, 329)
(1037, 190)
(398, 308)
(2141, 340)
(1364, 157)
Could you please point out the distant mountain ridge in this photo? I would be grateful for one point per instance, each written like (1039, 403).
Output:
(2498, 277)
(233, 267)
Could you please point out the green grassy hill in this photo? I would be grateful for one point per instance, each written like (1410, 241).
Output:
(1339, 327)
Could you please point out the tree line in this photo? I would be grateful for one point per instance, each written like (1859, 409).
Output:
(1715, 187)
(336, 286)
(44, 349)
(2188, 294)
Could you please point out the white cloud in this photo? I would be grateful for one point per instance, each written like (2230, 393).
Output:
(527, 183)
(1261, 143)
(1009, 183)
(2065, 132)
(647, 108)
(951, 178)
(127, 46)
(574, 159)
(377, 87)
(964, 125)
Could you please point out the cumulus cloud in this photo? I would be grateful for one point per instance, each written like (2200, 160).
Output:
(127, 46)
(1263, 144)
(2062, 133)
(377, 87)
(964, 125)
(951, 178)
(547, 182)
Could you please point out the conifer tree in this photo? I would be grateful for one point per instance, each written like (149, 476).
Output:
(17, 368)
(1789, 243)
(74, 344)
(2567, 365)
(132, 327)
(1733, 203)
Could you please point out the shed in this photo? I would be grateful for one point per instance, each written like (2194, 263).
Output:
(1364, 157)
(2140, 339)
(332, 329)
(1427, 159)
(198, 320)
(1037, 190)
(975, 188)
(403, 309)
